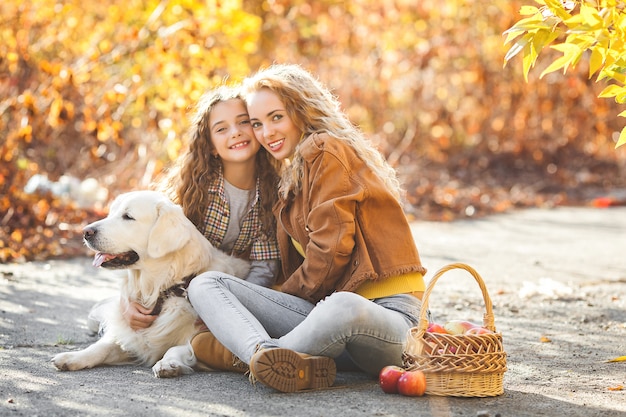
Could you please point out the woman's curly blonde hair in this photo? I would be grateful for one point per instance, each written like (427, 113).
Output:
(313, 108)
(187, 182)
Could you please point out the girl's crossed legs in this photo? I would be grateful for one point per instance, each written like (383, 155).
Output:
(242, 315)
(246, 317)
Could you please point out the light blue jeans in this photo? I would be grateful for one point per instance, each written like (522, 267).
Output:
(244, 316)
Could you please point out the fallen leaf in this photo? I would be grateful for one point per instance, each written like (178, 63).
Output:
(616, 388)
(545, 339)
(618, 359)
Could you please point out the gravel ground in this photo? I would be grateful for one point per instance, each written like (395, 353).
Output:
(556, 278)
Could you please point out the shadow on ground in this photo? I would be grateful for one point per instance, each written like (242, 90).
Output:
(557, 343)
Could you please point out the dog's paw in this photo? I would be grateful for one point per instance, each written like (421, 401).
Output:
(170, 369)
(67, 361)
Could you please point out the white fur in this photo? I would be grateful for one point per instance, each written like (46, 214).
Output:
(170, 248)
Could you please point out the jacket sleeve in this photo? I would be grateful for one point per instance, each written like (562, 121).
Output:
(333, 196)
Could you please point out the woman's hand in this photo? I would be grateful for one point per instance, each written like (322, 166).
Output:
(137, 316)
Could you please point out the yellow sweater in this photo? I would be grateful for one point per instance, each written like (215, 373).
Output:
(400, 284)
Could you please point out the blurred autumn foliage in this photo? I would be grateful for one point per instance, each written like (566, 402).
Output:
(101, 89)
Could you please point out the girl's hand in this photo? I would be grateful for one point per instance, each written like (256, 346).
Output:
(137, 316)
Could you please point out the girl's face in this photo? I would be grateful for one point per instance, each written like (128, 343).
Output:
(271, 124)
(231, 131)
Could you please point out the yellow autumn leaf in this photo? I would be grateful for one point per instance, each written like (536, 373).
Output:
(529, 24)
(618, 359)
(558, 8)
(618, 76)
(591, 17)
(528, 10)
(610, 91)
(562, 62)
(596, 60)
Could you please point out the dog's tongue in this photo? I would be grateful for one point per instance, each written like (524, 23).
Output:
(101, 258)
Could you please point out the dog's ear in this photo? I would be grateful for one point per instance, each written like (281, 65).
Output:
(170, 231)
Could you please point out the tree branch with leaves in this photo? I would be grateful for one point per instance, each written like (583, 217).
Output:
(595, 29)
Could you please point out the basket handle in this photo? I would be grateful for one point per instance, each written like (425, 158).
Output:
(488, 319)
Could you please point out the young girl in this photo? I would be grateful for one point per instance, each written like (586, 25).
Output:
(226, 187)
(226, 184)
(352, 274)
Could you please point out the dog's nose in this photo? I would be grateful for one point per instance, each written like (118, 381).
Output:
(89, 232)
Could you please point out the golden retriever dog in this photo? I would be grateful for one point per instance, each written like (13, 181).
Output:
(149, 236)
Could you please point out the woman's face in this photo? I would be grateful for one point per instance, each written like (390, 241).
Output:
(272, 125)
(231, 131)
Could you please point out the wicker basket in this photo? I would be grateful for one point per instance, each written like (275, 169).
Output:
(457, 365)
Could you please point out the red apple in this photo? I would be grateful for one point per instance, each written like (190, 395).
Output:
(388, 378)
(436, 328)
(412, 383)
(478, 330)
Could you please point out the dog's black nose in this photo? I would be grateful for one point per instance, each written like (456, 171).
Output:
(89, 232)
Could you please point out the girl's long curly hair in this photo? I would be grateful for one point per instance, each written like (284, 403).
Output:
(188, 181)
(313, 108)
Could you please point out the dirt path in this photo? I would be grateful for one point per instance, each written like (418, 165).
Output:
(557, 280)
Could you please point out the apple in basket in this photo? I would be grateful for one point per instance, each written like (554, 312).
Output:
(457, 327)
(478, 330)
(436, 328)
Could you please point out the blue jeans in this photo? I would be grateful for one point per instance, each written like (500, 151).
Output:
(244, 316)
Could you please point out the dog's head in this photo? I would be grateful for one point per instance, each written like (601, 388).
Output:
(140, 224)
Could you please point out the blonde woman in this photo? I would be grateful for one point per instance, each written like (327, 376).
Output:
(348, 255)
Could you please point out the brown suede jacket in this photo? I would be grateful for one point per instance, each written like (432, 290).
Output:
(351, 227)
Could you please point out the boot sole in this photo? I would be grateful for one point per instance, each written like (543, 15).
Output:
(289, 371)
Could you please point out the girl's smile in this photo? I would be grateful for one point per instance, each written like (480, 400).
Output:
(271, 124)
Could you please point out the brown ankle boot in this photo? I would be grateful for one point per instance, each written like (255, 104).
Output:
(289, 371)
(213, 354)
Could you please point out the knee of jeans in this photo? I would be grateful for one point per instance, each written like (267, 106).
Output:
(345, 306)
(199, 284)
